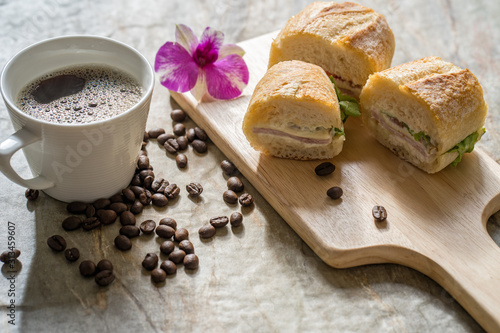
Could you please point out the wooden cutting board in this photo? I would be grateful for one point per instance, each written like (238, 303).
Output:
(436, 223)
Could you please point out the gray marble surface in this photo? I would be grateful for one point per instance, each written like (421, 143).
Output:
(262, 277)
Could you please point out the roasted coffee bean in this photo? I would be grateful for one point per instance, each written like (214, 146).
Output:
(72, 223)
(235, 184)
(117, 198)
(207, 231)
(199, 146)
(181, 234)
(138, 190)
(76, 207)
(171, 146)
(194, 189)
(148, 181)
(144, 173)
(183, 143)
(219, 221)
(148, 227)
(379, 213)
(143, 152)
(56, 243)
(101, 204)
(178, 115)
(167, 246)
(87, 268)
(150, 261)
(143, 162)
(191, 261)
(155, 132)
(179, 129)
(230, 197)
(159, 200)
(157, 184)
(130, 231)
(324, 169)
(31, 195)
(118, 207)
(104, 278)
(136, 207)
(335, 192)
(245, 199)
(104, 265)
(236, 219)
(169, 221)
(143, 145)
(158, 275)
(190, 134)
(123, 243)
(181, 160)
(90, 223)
(164, 137)
(172, 191)
(127, 218)
(128, 195)
(106, 216)
(7, 256)
(186, 246)
(145, 137)
(72, 254)
(177, 256)
(169, 267)
(136, 180)
(164, 231)
(90, 211)
(145, 198)
(200, 134)
(228, 167)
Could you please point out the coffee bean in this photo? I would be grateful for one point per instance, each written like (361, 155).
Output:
(167, 246)
(90, 223)
(116, 198)
(181, 161)
(130, 231)
(31, 195)
(157, 184)
(136, 207)
(164, 137)
(7, 256)
(123, 243)
(145, 198)
(145, 173)
(72, 223)
(236, 219)
(228, 167)
(90, 211)
(246, 199)
(138, 190)
(194, 189)
(235, 184)
(171, 146)
(169, 221)
(177, 256)
(150, 262)
(186, 246)
(127, 218)
(164, 231)
(191, 261)
(335, 192)
(230, 197)
(379, 213)
(207, 231)
(106, 216)
(155, 132)
(179, 129)
(324, 169)
(56, 243)
(128, 194)
(72, 254)
(190, 134)
(172, 191)
(104, 265)
(136, 180)
(143, 152)
(181, 234)
(183, 143)
(104, 278)
(101, 203)
(143, 162)
(145, 137)
(178, 115)
(200, 134)
(76, 207)
(219, 221)
(143, 145)
(199, 146)
(147, 227)
(159, 200)
(118, 207)
(148, 181)
(169, 267)
(158, 275)
(87, 268)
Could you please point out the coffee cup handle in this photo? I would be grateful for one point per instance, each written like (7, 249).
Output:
(8, 147)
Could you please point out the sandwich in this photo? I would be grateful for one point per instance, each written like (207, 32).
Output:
(294, 113)
(429, 112)
(347, 40)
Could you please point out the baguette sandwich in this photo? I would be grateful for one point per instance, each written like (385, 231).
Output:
(347, 40)
(294, 113)
(428, 112)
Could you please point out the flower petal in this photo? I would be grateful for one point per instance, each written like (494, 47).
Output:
(227, 77)
(200, 89)
(176, 68)
(186, 37)
(229, 49)
(211, 39)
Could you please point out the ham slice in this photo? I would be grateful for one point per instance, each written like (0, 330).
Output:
(302, 139)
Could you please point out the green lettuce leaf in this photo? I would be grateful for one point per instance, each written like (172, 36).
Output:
(466, 145)
(338, 131)
(348, 105)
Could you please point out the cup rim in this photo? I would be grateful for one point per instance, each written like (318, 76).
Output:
(148, 89)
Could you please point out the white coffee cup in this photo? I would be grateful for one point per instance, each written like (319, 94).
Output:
(75, 162)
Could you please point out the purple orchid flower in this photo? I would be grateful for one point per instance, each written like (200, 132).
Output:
(202, 67)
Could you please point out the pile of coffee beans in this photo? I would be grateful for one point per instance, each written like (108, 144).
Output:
(209, 230)
(235, 186)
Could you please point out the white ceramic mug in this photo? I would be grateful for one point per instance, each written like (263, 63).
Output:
(73, 162)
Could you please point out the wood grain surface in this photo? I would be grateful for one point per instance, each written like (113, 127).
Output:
(436, 223)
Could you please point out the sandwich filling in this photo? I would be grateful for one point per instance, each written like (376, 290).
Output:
(317, 136)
